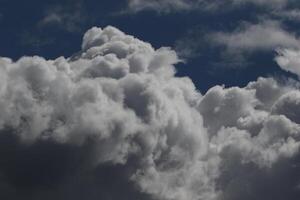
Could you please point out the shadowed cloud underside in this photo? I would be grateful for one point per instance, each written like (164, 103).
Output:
(113, 121)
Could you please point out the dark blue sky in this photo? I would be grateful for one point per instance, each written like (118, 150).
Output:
(26, 31)
(99, 126)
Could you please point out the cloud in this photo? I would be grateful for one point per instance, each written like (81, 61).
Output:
(236, 46)
(250, 39)
(114, 121)
(266, 35)
(117, 101)
(166, 6)
(289, 14)
(163, 5)
(288, 60)
(70, 18)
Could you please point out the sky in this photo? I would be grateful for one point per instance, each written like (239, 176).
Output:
(39, 26)
(150, 99)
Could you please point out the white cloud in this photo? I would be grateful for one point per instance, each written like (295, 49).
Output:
(288, 60)
(240, 43)
(266, 35)
(122, 98)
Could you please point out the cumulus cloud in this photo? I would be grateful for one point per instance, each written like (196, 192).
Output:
(113, 121)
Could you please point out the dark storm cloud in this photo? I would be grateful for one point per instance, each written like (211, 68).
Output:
(114, 121)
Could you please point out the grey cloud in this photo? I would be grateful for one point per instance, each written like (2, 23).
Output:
(290, 14)
(115, 122)
(288, 105)
(161, 6)
(166, 6)
(69, 18)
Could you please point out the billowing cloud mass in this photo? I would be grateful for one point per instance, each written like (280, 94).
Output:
(114, 122)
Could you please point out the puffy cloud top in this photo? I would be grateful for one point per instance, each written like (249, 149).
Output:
(119, 103)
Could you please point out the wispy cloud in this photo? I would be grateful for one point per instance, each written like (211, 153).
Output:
(233, 48)
(265, 35)
(70, 18)
(166, 6)
(289, 14)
